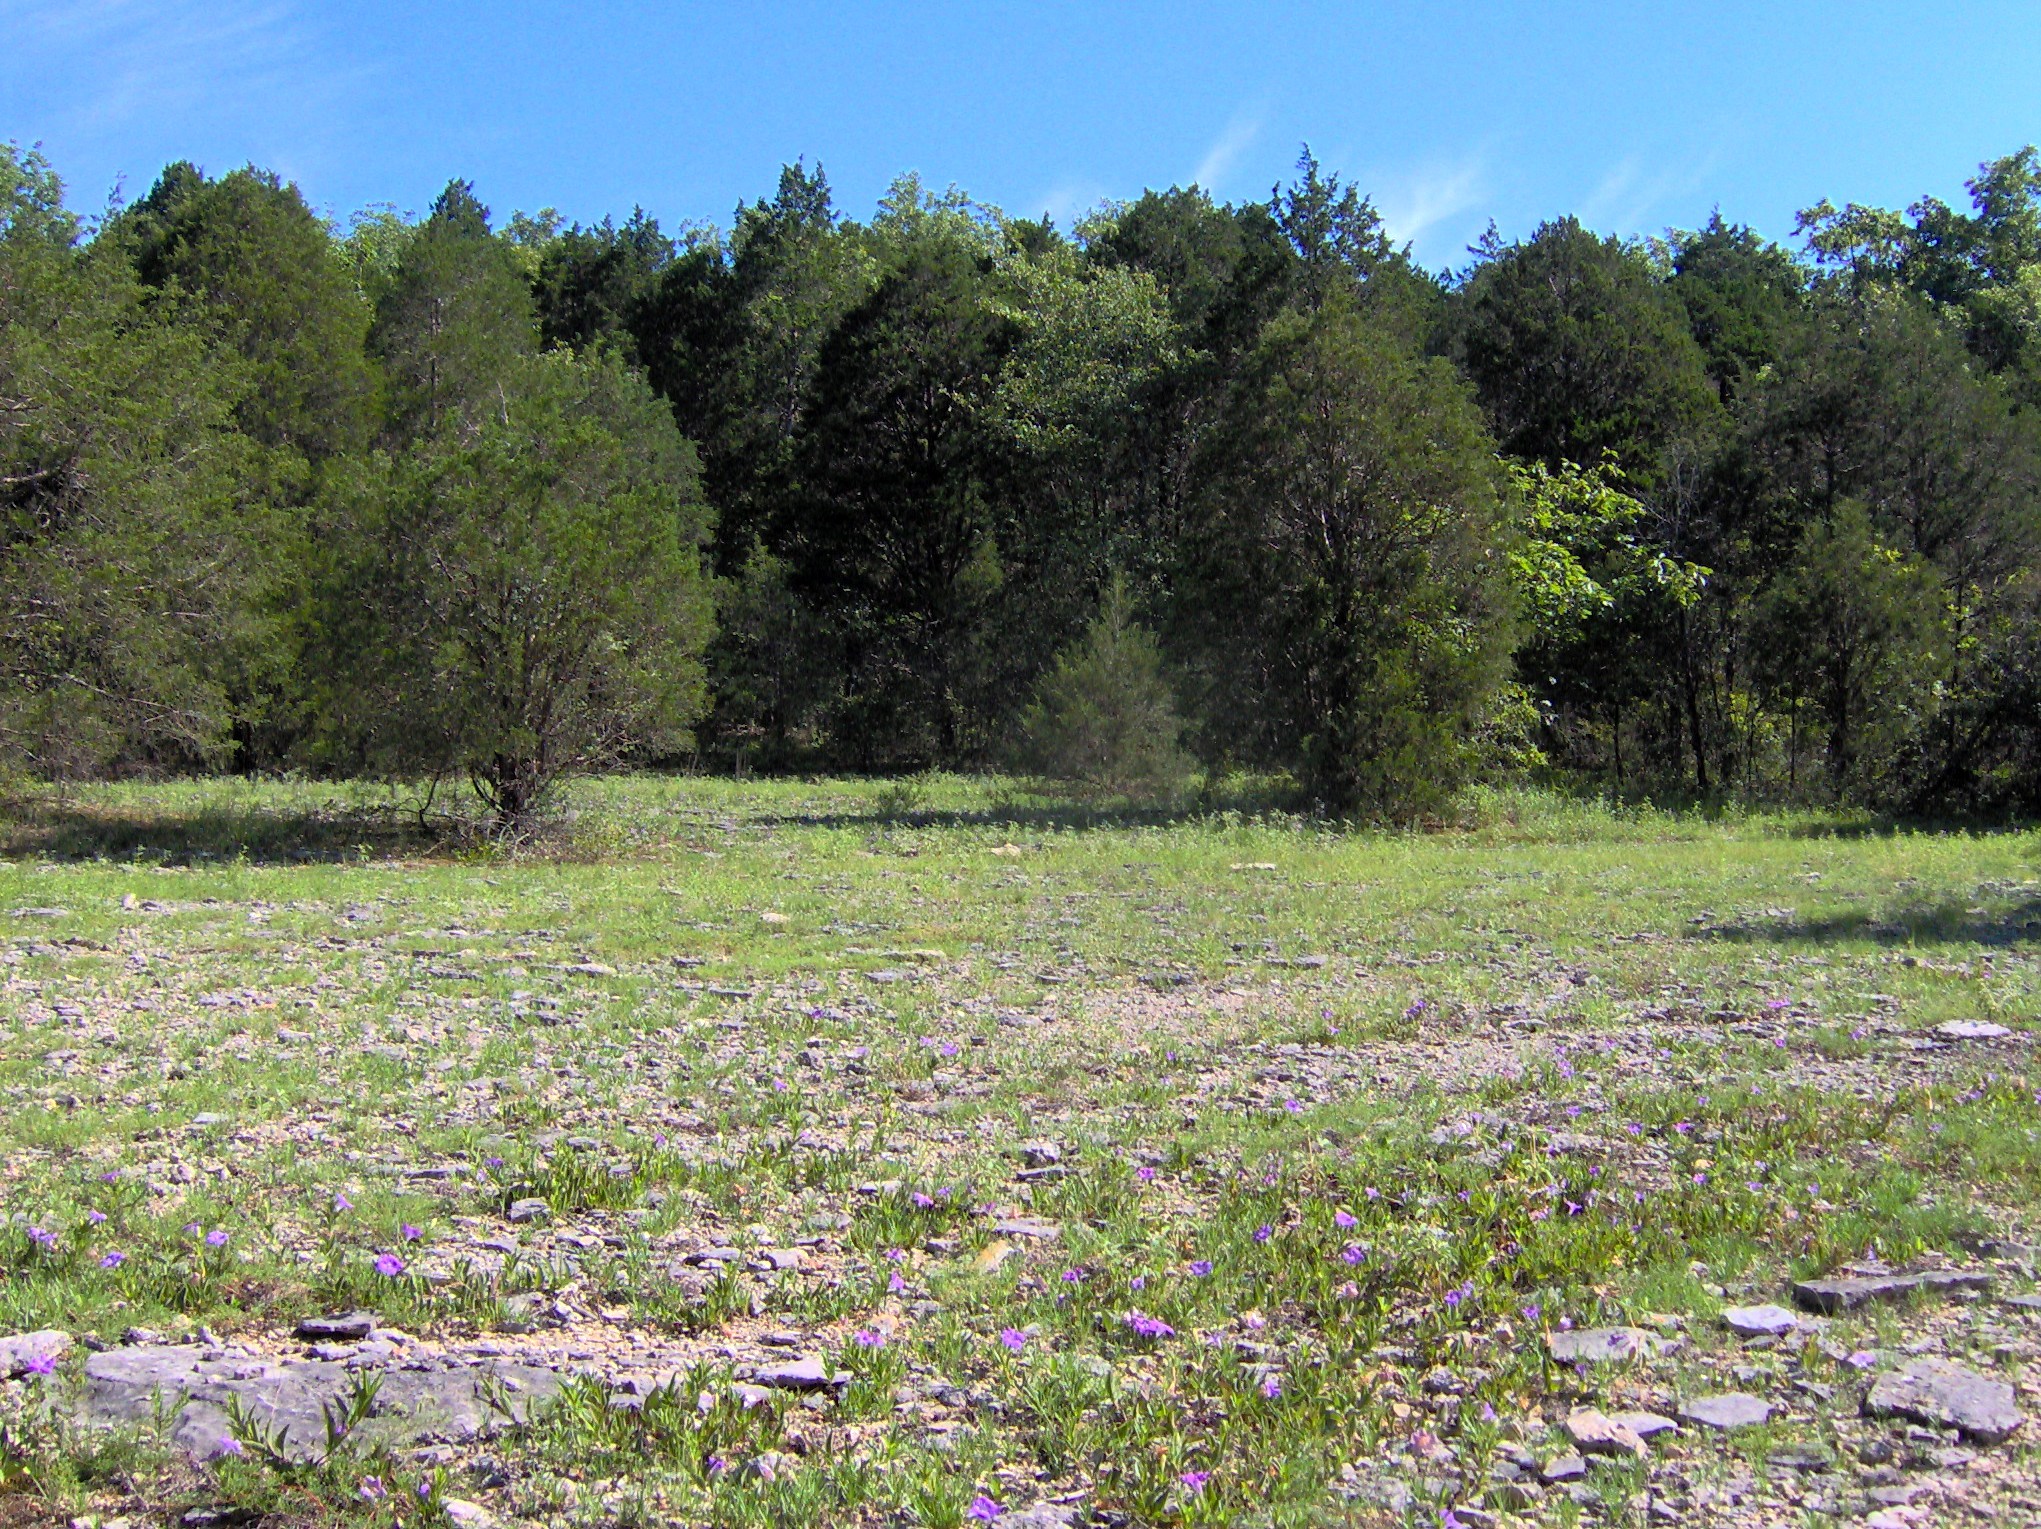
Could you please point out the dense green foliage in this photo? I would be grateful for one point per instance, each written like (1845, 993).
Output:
(1701, 515)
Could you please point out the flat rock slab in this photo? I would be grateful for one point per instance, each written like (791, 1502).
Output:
(801, 1375)
(1760, 1321)
(1646, 1425)
(1831, 1295)
(1971, 1030)
(1027, 1226)
(1595, 1433)
(1600, 1345)
(27, 1353)
(125, 1386)
(1945, 1395)
(348, 1327)
(1736, 1409)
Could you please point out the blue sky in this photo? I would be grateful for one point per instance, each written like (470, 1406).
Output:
(1635, 116)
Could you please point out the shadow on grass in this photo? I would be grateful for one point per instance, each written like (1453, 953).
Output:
(1946, 922)
(893, 808)
(56, 829)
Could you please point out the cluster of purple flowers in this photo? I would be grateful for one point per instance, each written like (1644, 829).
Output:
(1145, 1326)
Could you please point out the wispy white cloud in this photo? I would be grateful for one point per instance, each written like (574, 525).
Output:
(1068, 200)
(1234, 140)
(1627, 200)
(254, 68)
(1436, 192)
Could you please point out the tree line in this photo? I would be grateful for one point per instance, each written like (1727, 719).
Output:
(1238, 485)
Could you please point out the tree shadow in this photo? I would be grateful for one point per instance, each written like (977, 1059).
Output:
(59, 830)
(1992, 921)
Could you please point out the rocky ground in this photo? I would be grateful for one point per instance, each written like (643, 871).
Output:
(1298, 1185)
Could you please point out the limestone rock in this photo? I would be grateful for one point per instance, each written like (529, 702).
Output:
(348, 1327)
(25, 1353)
(1941, 1394)
(124, 1387)
(801, 1375)
(1760, 1321)
(1832, 1295)
(1595, 1433)
(1600, 1345)
(1646, 1425)
(1736, 1409)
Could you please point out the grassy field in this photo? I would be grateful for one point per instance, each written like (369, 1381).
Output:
(1232, 1169)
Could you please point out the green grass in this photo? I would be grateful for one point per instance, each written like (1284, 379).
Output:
(1349, 1071)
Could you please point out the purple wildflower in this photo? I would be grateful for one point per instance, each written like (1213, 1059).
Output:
(1271, 1388)
(217, 1237)
(1145, 1174)
(715, 1465)
(1293, 1106)
(983, 1510)
(1532, 1313)
(95, 1216)
(113, 1260)
(1344, 1219)
(895, 1283)
(1354, 1254)
(1194, 1481)
(341, 1202)
(1138, 1282)
(371, 1488)
(1013, 1338)
(1200, 1267)
(42, 1363)
(1073, 1276)
(228, 1445)
(864, 1337)
(1149, 1327)
(42, 1238)
(389, 1265)
(1264, 1232)
(923, 1202)
(409, 1232)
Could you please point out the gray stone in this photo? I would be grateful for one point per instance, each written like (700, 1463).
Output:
(348, 1327)
(1563, 1468)
(1735, 1409)
(1041, 1515)
(465, 1514)
(1599, 1345)
(1832, 1295)
(1646, 1425)
(1760, 1321)
(38, 1349)
(1040, 1154)
(528, 1210)
(1594, 1433)
(1971, 1030)
(1945, 1395)
(1801, 1458)
(1028, 1226)
(801, 1375)
(125, 1387)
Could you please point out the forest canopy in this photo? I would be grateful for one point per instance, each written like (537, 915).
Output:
(499, 500)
